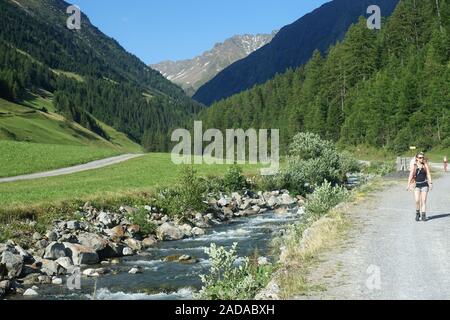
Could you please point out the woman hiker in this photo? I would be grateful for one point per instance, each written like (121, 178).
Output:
(420, 181)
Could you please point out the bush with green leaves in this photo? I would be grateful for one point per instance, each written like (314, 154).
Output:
(186, 197)
(380, 168)
(229, 280)
(234, 180)
(306, 145)
(324, 198)
(312, 160)
(142, 219)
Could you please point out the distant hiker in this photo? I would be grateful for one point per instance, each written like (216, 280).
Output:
(445, 164)
(420, 180)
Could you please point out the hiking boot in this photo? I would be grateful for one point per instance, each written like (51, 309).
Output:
(417, 216)
(424, 217)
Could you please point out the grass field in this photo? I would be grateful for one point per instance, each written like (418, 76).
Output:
(19, 158)
(141, 174)
(29, 124)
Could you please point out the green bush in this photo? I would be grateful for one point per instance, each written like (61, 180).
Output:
(142, 219)
(213, 184)
(186, 197)
(233, 179)
(227, 280)
(325, 198)
(306, 145)
(380, 168)
(312, 161)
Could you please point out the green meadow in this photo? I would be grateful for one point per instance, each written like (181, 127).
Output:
(143, 174)
(19, 158)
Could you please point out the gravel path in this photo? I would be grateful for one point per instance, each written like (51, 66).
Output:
(389, 255)
(82, 167)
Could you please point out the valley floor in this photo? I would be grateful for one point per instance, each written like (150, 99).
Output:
(389, 255)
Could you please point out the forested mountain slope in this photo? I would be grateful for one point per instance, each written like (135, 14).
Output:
(292, 47)
(90, 74)
(387, 88)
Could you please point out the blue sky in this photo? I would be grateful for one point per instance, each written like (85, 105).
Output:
(157, 30)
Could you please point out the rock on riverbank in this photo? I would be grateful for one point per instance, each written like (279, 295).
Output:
(97, 235)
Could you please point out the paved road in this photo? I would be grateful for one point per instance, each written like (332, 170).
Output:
(82, 167)
(389, 255)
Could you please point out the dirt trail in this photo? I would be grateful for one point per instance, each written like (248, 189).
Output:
(82, 167)
(388, 255)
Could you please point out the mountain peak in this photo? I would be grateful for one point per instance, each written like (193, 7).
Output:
(191, 74)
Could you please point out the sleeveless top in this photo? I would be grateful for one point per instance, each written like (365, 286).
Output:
(421, 176)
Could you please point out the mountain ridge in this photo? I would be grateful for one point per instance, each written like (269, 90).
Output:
(191, 74)
(290, 48)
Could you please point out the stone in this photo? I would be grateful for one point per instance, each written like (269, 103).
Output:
(5, 287)
(51, 268)
(13, 264)
(66, 263)
(169, 232)
(127, 251)
(187, 230)
(30, 293)
(26, 256)
(31, 279)
(246, 204)
(105, 219)
(112, 250)
(172, 258)
(54, 251)
(184, 257)
(228, 212)
(223, 202)
(81, 254)
(68, 237)
(287, 200)
(41, 244)
(43, 279)
(134, 229)
(196, 231)
(134, 244)
(73, 225)
(93, 241)
(149, 242)
(236, 196)
(281, 210)
(29, 269)
(37, 236)
(256, 209)
(51, 236)
(135, 270)
(91, 273)
(57, 281)
(101, 271)
(115, 234)
(127, 209)
(273, 201)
